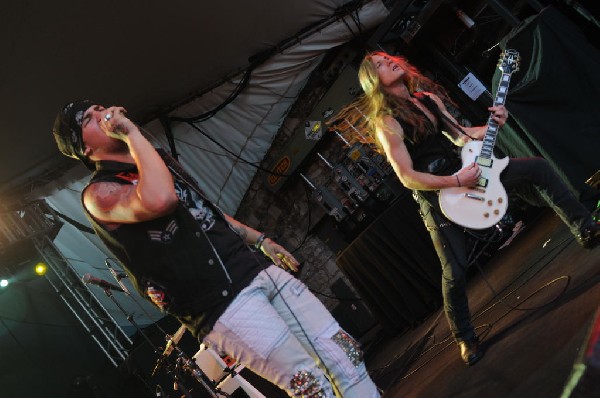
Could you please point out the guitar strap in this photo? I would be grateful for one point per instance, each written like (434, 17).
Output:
(432, 106)
(456, 126)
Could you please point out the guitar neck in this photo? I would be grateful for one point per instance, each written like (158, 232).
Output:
(489, 140)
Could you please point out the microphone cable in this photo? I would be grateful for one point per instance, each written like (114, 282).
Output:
(325, 368)
(496, 294)
(264, 267)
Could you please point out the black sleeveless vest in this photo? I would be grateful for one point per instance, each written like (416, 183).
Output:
(190, 263)
(433, 152)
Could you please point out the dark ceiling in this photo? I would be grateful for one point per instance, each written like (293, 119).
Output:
(147, 56)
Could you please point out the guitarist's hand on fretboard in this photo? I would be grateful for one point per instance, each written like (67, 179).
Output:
(499, 114)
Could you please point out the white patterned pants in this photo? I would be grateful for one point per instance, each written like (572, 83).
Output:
(278, 329)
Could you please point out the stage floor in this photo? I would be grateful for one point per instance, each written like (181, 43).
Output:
(533, 311)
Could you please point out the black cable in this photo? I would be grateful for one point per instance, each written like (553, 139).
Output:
(235, 155)
(349, 28)
(501, 299)
(354, 299)
(356, 19)
(448, 337)
(264, 268)
(434, 345)
(148, 315)
(308, 339)
(83, 261)
(76, 224)
(487, 326)
(247, 162)
(201, 148)
(278, 290)
(472, 258)
(207, 115)
(309, 217)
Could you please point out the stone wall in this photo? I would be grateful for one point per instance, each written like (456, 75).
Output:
(289, 216)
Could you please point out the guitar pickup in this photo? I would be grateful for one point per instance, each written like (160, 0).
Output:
(485, 162)
(483, 182)
(473, 196)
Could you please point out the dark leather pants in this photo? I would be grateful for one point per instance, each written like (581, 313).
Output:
(450, 240)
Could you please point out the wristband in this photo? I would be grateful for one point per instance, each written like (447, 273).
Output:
(260, 241)
(457, 180)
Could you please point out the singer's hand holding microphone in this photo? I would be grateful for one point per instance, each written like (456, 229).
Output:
(115, 124)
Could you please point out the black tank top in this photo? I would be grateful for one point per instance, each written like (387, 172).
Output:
(431, 152)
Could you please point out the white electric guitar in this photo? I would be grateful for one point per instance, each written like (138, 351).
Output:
(483, 205)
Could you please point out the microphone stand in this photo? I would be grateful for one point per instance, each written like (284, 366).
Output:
(129, 317)
(198, 374)
(132, 296)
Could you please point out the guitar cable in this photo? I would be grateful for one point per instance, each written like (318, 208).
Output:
(448, 340)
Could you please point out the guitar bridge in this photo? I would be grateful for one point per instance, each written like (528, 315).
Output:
(473, 196)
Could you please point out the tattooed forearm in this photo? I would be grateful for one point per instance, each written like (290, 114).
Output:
(248, 234)
(241, 231)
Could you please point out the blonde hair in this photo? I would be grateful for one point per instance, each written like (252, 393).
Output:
(368, 110)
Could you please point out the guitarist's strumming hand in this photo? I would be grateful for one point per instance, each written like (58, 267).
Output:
(469, 176)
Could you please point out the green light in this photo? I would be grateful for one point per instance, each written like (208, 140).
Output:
(3, 282)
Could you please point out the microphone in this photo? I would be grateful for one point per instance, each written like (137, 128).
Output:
(118, 276)
(88, 278)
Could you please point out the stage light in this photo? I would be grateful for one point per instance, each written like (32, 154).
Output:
(40, 269)
(3, 282)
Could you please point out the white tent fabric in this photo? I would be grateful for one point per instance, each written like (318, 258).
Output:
(245, 127)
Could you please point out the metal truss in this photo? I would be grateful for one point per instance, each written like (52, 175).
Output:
(37, 222)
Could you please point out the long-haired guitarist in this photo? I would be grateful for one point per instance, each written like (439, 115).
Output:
(404, 114)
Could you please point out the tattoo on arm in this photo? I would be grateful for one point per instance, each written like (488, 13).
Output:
(108, 201)
(106, 191)
(241, 231)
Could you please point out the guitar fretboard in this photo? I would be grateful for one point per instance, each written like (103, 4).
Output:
(489, 140)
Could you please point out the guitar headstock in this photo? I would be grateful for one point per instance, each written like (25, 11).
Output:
(509, 61)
